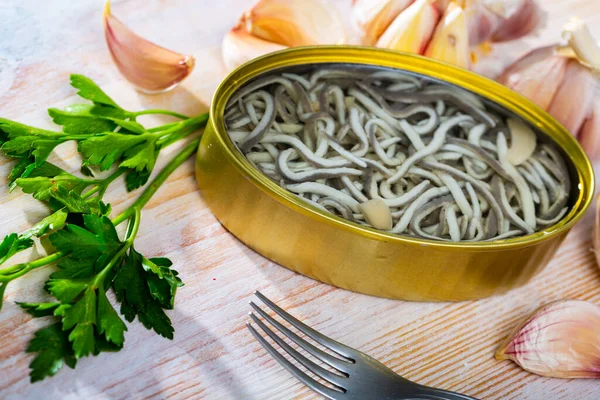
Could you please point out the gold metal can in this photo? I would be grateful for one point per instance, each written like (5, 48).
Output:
(283, 228)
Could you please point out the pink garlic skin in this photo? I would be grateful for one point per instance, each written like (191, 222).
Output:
(522, 22)
(572, 103)
(560, 339)
(589, 135)
(537, 75)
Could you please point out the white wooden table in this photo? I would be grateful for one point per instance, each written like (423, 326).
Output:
(213, 356)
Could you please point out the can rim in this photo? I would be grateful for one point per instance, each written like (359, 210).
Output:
(471, 81)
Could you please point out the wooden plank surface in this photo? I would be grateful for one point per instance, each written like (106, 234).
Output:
(449, 345)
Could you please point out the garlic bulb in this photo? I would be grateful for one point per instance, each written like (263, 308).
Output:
(372, 17)
(450, 42)
(560, 340)
(294, 22)
(563, 80)
(239, 47)
(412, 28)
(149, 67)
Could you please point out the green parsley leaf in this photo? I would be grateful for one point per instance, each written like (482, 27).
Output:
(54, 350)
(162, 281)
(135, 179)
(66, 290)
(21, 140)
(141, 157)
(39, 309)
(43, 188)
(105, 150)
(133, 292)
(80, 118)
(109, 323)
(70, 199)
(130, 126)
(98, 241)
(12, 244)
(90, 91)
(81, 317)
(52, 222)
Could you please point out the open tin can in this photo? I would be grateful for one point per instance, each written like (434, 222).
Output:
(296, 235)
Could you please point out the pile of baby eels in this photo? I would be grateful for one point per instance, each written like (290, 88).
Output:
(400, 153)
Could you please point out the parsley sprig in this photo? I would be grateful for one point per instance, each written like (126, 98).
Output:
(89, 255)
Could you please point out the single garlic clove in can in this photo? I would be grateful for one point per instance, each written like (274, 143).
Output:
(412, 28)
(147, 66)
(377, 213)
(560, 340)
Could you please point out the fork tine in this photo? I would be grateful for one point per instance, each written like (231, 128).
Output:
(308, 364)
(331, 344)
(337, 363)
(302, 377)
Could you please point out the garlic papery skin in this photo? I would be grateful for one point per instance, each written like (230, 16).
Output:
(147, 66)
(537, 75)
(412, 28)
(450, 41)
(521, 17)
(294, 22)
(560, 340)
(372, 17)
(580, 40)
(239, 47)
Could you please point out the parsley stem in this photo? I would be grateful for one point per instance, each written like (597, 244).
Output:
(158, 181)
(161, 112)
(26, 267)
(132, 231)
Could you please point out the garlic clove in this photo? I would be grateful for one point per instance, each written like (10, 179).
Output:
(536, 75)
(558, 340)
(589, 137)
(522, 141)
(377, 213)
(582, 43)
(239, 47)
(412, 28)
(450, 41)
(149, 67)
(372, 17)
(578, 84)
(294, 22)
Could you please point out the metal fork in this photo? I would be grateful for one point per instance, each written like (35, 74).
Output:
(355, 375)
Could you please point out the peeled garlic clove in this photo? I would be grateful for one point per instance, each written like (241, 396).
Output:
(295, 22)
(239, 47)
(589, 137)
(412, 28)
(559, 340)
(572, 102)
(377, 213)
(522, 141)
(536, 75)
(520, 17)
(149, 67)
(450, 42)
(372, 17)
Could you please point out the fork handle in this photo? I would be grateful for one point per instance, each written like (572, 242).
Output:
(429, 393)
